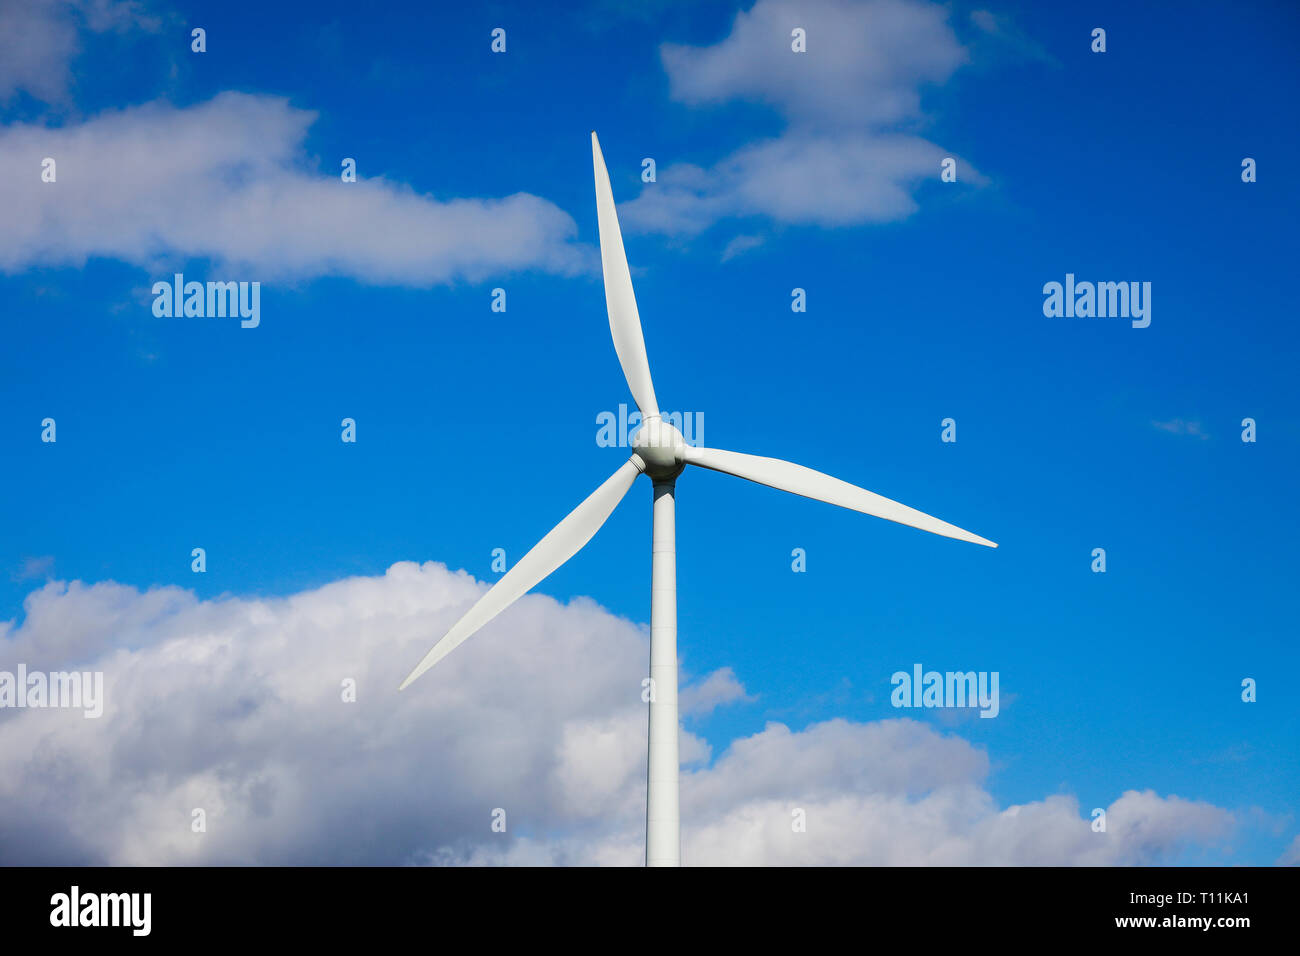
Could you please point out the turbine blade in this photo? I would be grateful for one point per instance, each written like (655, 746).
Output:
(624, 320)
(799, 480)
(562, 542)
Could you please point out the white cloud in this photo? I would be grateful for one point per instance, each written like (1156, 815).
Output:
(864, 63)
(720, 687)
(39, 38)
(234, 705)
(848, 155)
(956, 826)
(828, 181)
(227, 180)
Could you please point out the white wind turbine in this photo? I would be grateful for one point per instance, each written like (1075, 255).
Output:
(660, 453)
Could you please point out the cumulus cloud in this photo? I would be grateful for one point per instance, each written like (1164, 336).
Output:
(864, 61)
(227, 180)
(847, 155)
(39, 39)
(235, 705)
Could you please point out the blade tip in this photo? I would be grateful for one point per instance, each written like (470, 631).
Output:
(412, 677)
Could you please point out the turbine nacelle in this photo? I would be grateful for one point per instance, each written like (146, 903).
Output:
(661, 448)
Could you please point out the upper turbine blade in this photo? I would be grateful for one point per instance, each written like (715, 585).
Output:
(562, 542)
(813, 484)
(624, 320)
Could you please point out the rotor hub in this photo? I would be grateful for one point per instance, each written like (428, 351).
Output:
(661, 447)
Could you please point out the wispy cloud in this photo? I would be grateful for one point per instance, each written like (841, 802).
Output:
(1291, 855)
(1004, 31)
(1180, 426)
(740, 245)
(40, 38)
(34, 567)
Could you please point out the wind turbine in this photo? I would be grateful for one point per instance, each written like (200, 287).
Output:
(661, 453)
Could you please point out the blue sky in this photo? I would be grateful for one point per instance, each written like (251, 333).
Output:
(476, 429)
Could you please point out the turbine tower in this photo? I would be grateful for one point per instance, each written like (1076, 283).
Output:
(661, 453)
